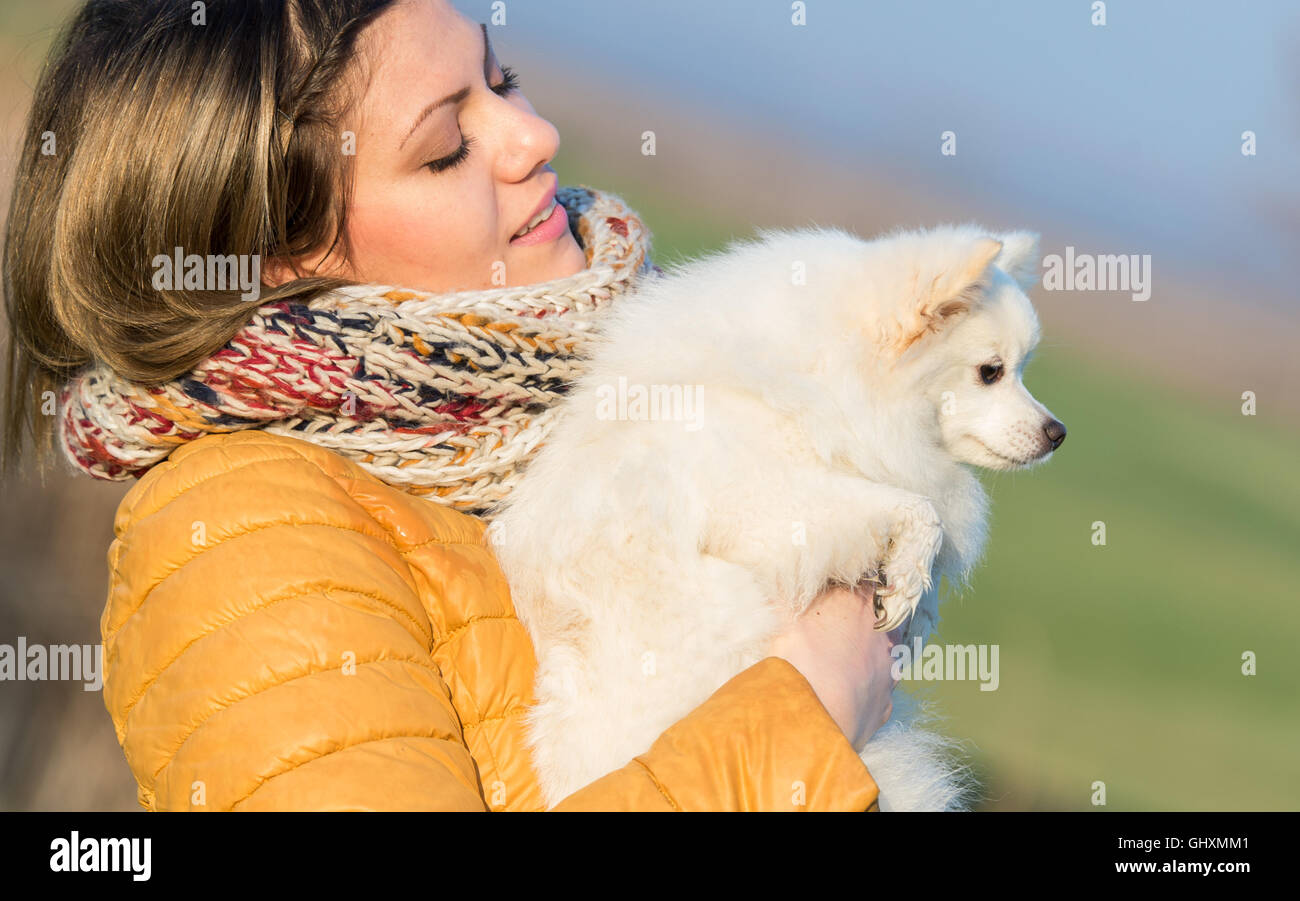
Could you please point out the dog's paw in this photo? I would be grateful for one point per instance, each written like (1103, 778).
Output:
(906, 570)
(924, 620)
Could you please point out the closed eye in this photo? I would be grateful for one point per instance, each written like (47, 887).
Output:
(508, 85)
(509, 82)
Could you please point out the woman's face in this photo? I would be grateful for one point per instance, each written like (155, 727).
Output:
(428, 212)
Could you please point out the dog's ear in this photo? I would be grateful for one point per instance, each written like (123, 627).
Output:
(954, 289)
(946, 292)
(1019, 258)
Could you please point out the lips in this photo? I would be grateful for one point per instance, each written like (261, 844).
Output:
(537, 220)
(537, 210)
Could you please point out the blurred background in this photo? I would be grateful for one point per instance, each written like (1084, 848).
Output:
(1120, 663)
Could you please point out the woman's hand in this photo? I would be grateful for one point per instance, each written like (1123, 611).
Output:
(835, 646)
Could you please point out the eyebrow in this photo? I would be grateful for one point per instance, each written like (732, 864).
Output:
(458, 96)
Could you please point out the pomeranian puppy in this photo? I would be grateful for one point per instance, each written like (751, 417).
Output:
(796, 410)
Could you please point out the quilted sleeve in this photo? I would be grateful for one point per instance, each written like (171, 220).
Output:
(266, 647)
(763, 741)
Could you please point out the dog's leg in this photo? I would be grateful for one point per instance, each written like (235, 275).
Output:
(816, 527)
(882, 532)
(915, 536)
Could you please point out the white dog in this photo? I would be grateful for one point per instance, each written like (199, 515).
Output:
(791, 411)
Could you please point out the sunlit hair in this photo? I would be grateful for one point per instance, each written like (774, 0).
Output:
(219, 137)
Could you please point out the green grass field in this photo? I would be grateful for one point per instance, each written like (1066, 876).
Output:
(1119, 663)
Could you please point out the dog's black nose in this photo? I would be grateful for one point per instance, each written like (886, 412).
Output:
(1055, 432)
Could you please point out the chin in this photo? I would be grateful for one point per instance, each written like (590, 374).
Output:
(567, 258)
(535, 264)
(575, 257)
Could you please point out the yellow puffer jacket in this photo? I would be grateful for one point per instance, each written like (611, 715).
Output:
(286, 632)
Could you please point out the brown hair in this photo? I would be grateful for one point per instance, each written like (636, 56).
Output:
(213, 129)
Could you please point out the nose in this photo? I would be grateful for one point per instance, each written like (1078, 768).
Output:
(1055, 432)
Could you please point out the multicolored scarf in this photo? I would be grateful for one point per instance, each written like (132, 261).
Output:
(442, 395)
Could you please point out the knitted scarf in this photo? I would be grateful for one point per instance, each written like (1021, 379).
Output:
(441, 395)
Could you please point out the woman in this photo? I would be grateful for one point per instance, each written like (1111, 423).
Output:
(303, 612)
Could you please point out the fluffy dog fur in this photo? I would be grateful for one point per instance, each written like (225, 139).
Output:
(840, 413)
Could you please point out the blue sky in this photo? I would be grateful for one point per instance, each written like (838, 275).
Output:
(1131, 131)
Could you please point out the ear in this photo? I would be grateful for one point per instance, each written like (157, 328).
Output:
(1019, 258)
(277, 271)
(958, 286)
(950, 291)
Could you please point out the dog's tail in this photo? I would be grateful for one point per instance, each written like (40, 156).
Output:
(917, 767)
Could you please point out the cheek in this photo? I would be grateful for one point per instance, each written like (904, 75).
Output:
(975, 410)
(380, 234)
(958, 405)
(408, 234)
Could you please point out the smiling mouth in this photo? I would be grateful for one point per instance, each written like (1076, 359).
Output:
(537, 220)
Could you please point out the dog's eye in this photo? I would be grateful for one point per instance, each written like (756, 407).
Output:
(990, 373)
